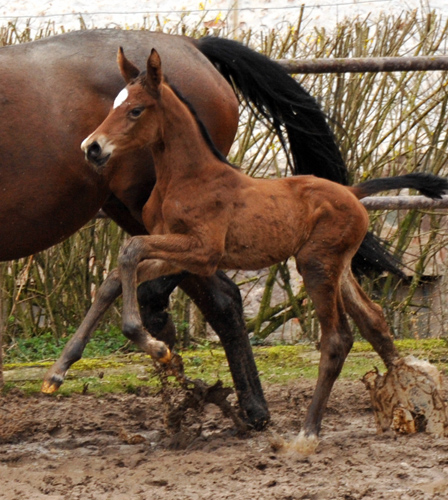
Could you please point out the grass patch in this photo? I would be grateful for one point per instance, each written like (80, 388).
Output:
(278, 364)
(46, 346)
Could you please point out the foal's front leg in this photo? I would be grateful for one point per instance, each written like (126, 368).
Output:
(132, 325)
(107, 293)
(146, 258)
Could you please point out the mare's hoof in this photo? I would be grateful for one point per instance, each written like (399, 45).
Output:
(260, 423)
(257, 420)
(256, 415)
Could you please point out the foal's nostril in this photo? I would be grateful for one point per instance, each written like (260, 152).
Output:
(95, 154)
(94, 151)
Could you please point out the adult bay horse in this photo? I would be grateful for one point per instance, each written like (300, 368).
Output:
(204, 215)
(52, 95)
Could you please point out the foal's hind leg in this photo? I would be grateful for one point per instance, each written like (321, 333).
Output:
(321, 273)
(369, 318)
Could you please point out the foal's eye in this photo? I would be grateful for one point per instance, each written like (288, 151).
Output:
(136, 112)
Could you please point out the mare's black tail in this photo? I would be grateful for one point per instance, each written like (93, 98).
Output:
(282, 101)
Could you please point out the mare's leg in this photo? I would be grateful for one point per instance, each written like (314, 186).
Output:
(153, 298)
(220, 301)
(369, 318)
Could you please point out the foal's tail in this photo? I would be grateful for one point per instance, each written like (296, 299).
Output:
(429, 185)
(283, 102)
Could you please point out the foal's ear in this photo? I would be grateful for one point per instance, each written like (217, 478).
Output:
(153, 72)
(127, 69)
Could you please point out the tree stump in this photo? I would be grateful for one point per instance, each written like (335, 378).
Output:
(408, 398)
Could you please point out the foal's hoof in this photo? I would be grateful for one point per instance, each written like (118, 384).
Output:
(159, 351)
(304, 443)
(52, 385)
(166, 358)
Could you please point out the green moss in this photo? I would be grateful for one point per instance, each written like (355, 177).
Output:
(98, 363)
(13, 366)
(30, 350)
(278, 364)
(82, 364)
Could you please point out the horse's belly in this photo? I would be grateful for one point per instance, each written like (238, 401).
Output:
(259, 250)
(36, 221)
(251, 261)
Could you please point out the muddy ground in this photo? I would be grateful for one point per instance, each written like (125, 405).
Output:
(116, 447)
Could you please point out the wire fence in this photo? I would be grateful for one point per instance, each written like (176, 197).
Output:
(183, 10)
(235, 14)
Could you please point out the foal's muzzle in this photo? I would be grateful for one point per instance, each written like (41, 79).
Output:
(95, 154)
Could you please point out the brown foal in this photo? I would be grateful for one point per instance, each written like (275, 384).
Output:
(204, 214)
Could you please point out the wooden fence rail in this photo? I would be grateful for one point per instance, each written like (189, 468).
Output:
(376, 65)
(403, 202)
(365, 65)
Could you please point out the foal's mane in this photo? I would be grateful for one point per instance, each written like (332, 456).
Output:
(203, 129)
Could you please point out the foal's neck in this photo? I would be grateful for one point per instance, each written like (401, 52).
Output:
(182, 151)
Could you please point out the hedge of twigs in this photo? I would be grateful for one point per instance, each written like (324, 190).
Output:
(386, 124)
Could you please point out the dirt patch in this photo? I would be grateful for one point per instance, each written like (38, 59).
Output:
(115, 447)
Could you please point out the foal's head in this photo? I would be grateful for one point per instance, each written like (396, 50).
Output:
(133, 121)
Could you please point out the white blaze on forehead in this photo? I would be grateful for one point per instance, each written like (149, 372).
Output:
(121, 97)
